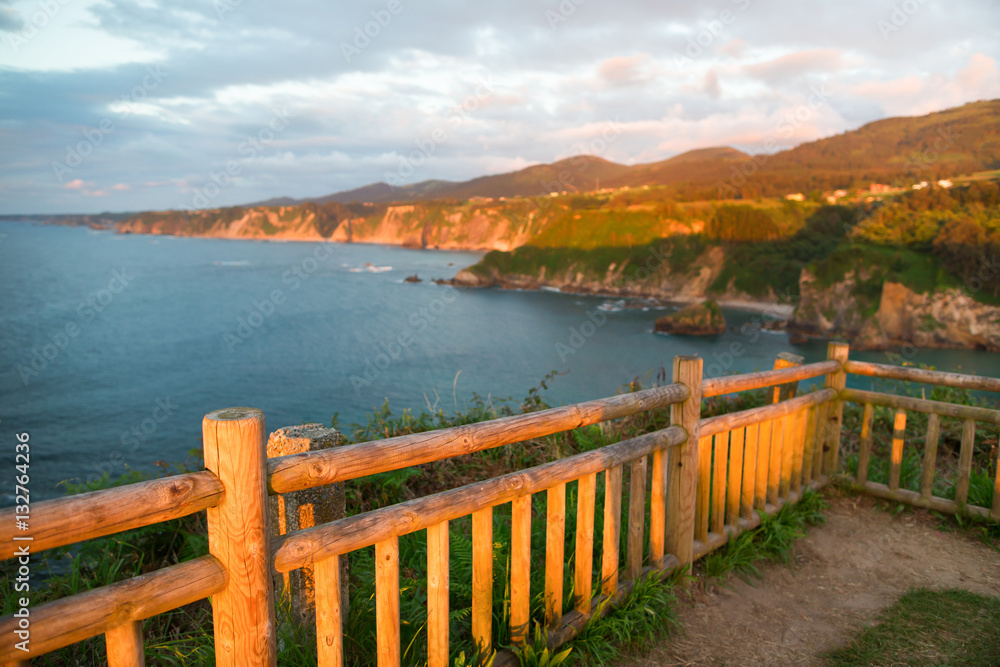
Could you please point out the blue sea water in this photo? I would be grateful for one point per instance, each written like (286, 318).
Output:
(113, 347)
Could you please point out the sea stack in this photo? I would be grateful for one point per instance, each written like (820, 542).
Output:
(698, 319)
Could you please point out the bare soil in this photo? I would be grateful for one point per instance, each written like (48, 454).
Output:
(846, 571)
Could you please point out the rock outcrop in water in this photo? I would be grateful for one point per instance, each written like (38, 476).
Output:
(699, 319)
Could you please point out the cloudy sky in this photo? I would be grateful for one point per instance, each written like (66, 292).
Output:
(117, 105)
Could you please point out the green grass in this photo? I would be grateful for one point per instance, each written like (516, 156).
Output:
(925, 627)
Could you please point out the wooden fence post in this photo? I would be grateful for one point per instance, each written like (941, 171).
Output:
(835, 415)
(298, 510)
(238, 535)
(786, 391)
(683, 466)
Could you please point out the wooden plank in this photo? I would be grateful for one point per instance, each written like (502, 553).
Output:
(766, 428)
(909, 374)
(682, 466)
(124, 644)
(56, 523)
(809, 445)
(727, 422)
(636, 518)
(965, 461)
(77, 617)
(482, 580)
(912, 404)
(788, 454)
(310, 469)
(520, 569)
(239, 536)
(798, 451)
(612, 529)
(749, 471)
(736, 446)
(933, 503)
(355, 532)
(720, 461)
(819, 455)
(704, 488)
(387, 602)
(995, 512)
(835, 351)
(729, 384)
(438, 590)
(930, 456)
(775, 459)
(555, 543)
(584, 572)
(658, 507)
(329, 613)
(865, 451)
(896, 454)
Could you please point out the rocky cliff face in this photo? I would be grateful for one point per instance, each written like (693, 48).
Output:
(897, 317)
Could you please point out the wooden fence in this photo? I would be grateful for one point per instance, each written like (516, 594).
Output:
(709, 480)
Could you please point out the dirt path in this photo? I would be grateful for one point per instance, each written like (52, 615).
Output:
(861, 561)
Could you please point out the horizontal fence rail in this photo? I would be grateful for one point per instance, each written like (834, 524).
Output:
(311, 469)
(732, 420)
(78, 617)
(338, 537)
(923, 405)
(941, 378)
(729, 384)
(63, 521)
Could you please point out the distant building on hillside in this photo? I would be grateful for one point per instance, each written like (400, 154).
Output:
(796, 196)
(921, 185)
(879, 187)
(945, 183)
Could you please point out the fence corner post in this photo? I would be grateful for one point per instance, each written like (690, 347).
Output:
(683, 467)
(836, 351)
(239, 537)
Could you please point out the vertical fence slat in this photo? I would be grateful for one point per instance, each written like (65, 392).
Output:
(584, 572)
(704, 488)
(125, 647)
(329, 615)
(612, 529)
(719, 461)
(636, 518)
(555, 542)
(819, 456)
(808, 446)
(995, 511)
(965, 461)
(387, 602)
(749, 471)
(438, 589)
(683, 466)
(239, 536)
(896, 455)
(835, 414)
(736, 440)
(787, 454)
(763, 462)
(774, 460)
(930, 455)
(798, 452)
(658, 508)
(865, 451)
(520, 569)
(482, 580)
